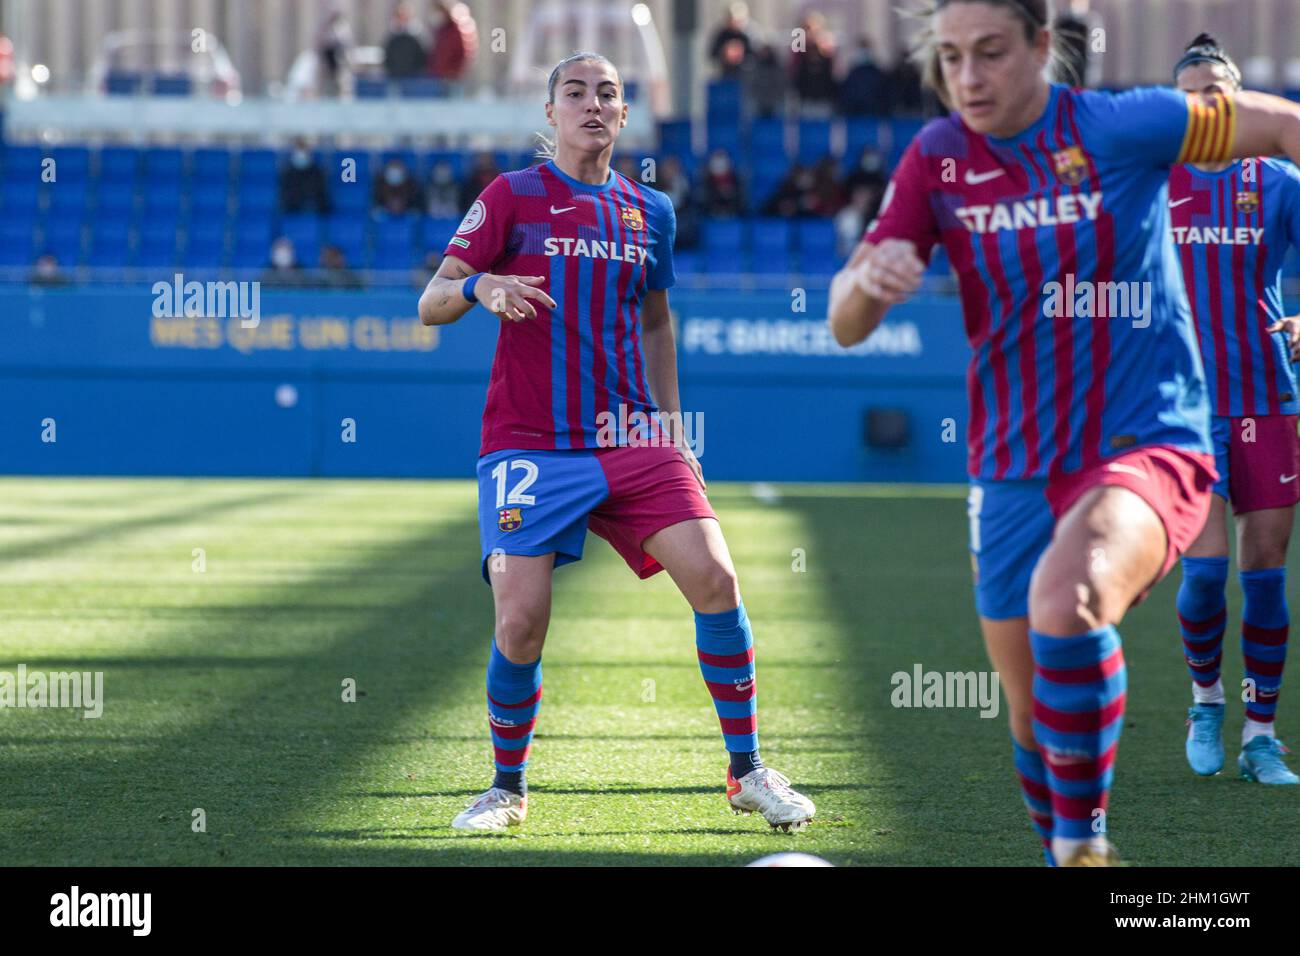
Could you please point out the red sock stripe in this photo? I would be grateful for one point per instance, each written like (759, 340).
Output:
(1272, 636)
(1088, 721)
(1109, 665)
(523, 703)
(1200, 647)
(1035, 789)
(1264, 668)
(1078, 808)
(731, 692)
(727, 660)
(511, 758)
(739, 725)
(1206, 626)
(513, 733)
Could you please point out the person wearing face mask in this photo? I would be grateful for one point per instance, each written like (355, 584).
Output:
(396, 191)
(721, 187)
(284, 269)
(302, 182)
(442, 195)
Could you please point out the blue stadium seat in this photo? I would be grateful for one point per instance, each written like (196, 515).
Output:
(62, 237)
(109, 244)
(21, 163)
(21, 198)
(171, 84)
(208, 199)
(371, 88)
(675, 137)
(860, 132)
(723, 98)
(814, 140)
(68, 198)
(767, 139)
(157, 253)
(257, 197)
(258, 165)
(71, 164)
(724, 242)
(421, 87)
(816, 240)
(349, 234)
(203, 256)
(210, 166)
(163, 200)
(118, 164)
(770, 238)
(394, 242)
(17, 241)
(765, 175)
(904, 130)
(306, 231)
(115, 200)
(163, 165)
(437, 233)
(454, 158)
(250, 255)
(120, 83)
(725, 135)
(686, 263)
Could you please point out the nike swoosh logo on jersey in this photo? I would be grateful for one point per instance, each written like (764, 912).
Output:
(1175, 203)
(1287, 479)
(974, 179)
(556, 212)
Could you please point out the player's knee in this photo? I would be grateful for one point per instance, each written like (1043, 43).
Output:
(1064, 605)
(520, 634)
(717, 589)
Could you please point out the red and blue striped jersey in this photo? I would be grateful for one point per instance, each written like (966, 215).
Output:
(1071, 292)
(1232, 229)
(560, 378)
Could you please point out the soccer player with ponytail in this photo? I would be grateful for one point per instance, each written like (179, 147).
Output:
(1232, 223)
(1089, 445)
(576, 261)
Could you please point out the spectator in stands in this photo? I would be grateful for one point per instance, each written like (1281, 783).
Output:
(442, 195)
(453, 41)
(851, 221)
(721, 195)
(404, 53)
(865, 88)
(868, 171)
(627, 165)
(302, 182)
(284, 269)
(334, 45)
(732, 45)
(1072, 27)
(334, 272)
(483, 169)
(673, 182)
(812, 67)
(905, 92)
(396, 191)
(765, 83)
(827, 198)
(46, 271)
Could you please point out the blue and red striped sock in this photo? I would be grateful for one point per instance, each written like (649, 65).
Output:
(1202, 612)
(1265, 623)
(1079, 694)
(514, 694)
(725, 648)
(1034, 789)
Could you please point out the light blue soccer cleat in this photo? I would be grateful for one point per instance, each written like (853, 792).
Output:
(1261, 761)
(1205, 738)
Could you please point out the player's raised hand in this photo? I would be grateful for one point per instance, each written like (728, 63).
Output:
(1291, 326)
(507, 296)
(891, 272)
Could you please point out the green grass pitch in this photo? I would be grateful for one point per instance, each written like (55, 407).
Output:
(223, 689)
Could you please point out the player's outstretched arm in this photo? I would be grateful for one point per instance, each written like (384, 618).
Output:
(1266, 125)
(874, 278)
(443, 300)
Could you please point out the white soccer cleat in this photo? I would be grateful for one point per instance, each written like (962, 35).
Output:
(767, 792)
(493, 812)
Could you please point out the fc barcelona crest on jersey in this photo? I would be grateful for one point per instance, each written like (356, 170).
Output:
(632, 218)
(509, 519)
(1071, 165)
(1248, 203)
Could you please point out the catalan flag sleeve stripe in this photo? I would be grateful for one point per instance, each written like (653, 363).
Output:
(1211, 129)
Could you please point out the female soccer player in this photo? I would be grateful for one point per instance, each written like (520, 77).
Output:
(1089, 427)
(576, 261)
(1232, 224)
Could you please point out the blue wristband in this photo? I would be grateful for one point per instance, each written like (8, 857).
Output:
(468, 288)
